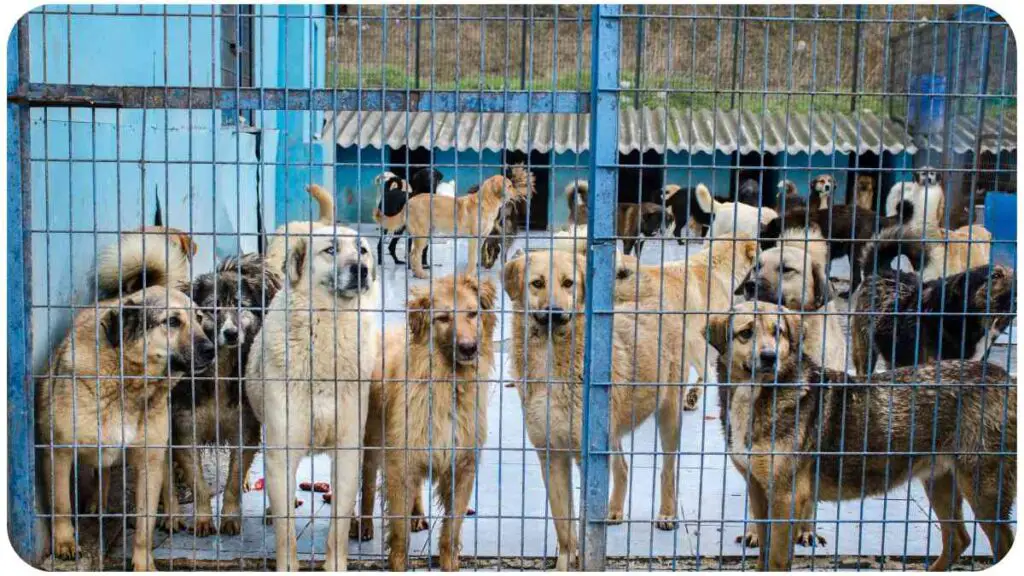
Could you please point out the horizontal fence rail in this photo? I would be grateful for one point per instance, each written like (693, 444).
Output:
(512, 287)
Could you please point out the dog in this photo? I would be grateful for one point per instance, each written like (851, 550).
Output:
(472, 215)
(432, 385)
(148, 256)
(395, 192)
(701, 283)
(797, 432)
(749, 193)
(934, 251)
(913, 321)
(925, 193)
(788, 197)
(864, 193)
(634, 222)
(822, 187)
(284, 237)
(308, 376)
(506, 227)
(731, 218)
(684, 210)
(548, 323)
(212, 408)
(844, 227)
(131, 352)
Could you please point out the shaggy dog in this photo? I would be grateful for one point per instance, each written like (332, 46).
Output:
(799, 433)
(471, 215)
(935, 251)
(864, 194)
(925, 193)
(430, 393)
(547, 289)
(845, 227)
(108, 394)
(703, 282)
(308, 376)
(731, 218)
(682, 206)
(912, 321)
(284, 237)
(211, 409)
(395, 192)
(503, 234)
(149, 256)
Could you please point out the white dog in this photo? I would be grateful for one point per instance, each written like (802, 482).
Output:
(308, 377)
(731, 218)
(925, 193)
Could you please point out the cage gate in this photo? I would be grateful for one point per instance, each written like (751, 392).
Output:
(204, 199)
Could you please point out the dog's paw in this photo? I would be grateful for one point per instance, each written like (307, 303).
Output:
(173, 524)
(807, 537)
(750, 539)
(230, 525)
(418, 524)
(615, 517)
(65, 550)
(692, 399)
(204, 527)
(666, 522)
(361, 529)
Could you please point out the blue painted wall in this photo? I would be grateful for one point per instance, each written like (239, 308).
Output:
(687, 170)
(802, 168)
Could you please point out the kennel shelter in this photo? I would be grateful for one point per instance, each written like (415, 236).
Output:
(214, 119)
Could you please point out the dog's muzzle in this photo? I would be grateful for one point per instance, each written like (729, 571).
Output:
(767, 359)
(466, 352)
(197, 359)
(354, 279)
(756, 290)
(229, 336)
(555, 316)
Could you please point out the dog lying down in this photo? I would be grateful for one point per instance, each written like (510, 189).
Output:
(797, 432)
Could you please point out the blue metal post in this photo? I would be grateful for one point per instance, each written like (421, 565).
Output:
(604, 127)
(21, 476)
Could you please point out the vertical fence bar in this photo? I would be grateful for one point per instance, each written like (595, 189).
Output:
(604, 127)
(21, 476)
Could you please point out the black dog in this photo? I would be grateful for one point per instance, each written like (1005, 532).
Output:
(903, 320)
(684, 209)
(396, 192)
(749, 193)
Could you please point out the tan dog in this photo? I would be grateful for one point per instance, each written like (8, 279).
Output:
(864, 194)
(148, 256)
(471, 215)
(109, 393)
(431, 393)
(798, 433)
(699, 284)
(284, 237)
(937, 252)
(547, 360)
(308, 377)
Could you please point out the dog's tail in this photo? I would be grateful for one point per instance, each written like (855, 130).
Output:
(522, 180)
(325, 200)
(144, 258)
(893, 242)
(576, 198)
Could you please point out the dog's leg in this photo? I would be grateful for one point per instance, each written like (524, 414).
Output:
(777, 554)
(620, 478)
(668, 430)
(102, 493)
(172, 520)
(991, 500)
(455, 512)
(474, 252)
(393, 246)
(188, 461)
(418, 514)
(639, 248)
(756, 532)
(281, 467)
(149, 464)
(345, 464)
(362, 529)
(416, 257)
(238, 471)
(380, 247)
(805, 534)
(948, 504)
(696, 356)
(859, 344)
(557, 471)
(58, 486)
(400, 485)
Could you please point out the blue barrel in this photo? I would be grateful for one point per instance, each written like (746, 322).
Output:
(928, 104)
(1001, 221)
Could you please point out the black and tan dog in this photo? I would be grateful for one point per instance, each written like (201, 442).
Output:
(798, 432)
(684, 210)
(906, 321)
(108, 395)
(211, 409)
(395, 192)
(633, 222)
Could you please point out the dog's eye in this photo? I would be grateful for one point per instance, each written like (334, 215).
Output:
(567, 283)
(363, 251)
(173, 322)
(623, 273)
(329, 250)
(745, 334)
(443, 318)
(472, 315)
(788, 270)
(538, 283)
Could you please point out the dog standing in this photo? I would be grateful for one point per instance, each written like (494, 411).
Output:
(682, 206)
(823, 187)
(431, 393)
(284, 237)
(108, 394)
(925, 193)
(394, 194)
(547, 289)
(797, 432)
(935, 251)
(308, 376)
(633, 221)
(212, 408)
(864, 194)
(911, 321)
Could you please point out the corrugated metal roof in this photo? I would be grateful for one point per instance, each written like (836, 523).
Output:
(655, 129)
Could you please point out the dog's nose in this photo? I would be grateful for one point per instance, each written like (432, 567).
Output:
(361, 272)
(204, 349)
(230, 334)
(767, 358)
(467, 349)
(555, 315)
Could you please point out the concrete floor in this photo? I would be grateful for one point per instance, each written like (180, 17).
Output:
(511, 502)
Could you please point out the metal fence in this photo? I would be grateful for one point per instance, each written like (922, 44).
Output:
(208, 371)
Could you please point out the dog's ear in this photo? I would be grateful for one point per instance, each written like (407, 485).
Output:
(718, 332)
(740, 290)
(749, 250)
(487, 293)
(187, 245)
(822, 287)
(296, 260)
(512, 279)
(128, 317)
(419, 316)
(793, 330)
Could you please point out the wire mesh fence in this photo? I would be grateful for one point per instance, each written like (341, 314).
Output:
(507, 287)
